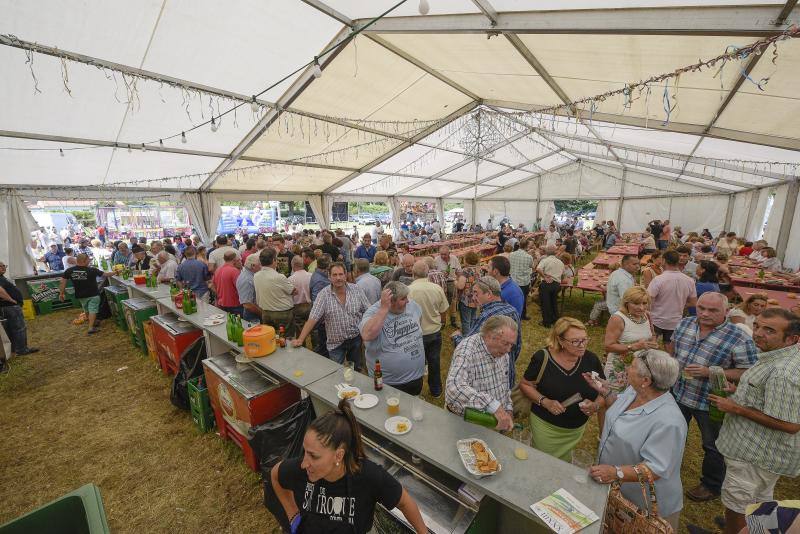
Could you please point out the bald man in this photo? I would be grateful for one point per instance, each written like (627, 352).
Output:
(404, 274)
(699, 343)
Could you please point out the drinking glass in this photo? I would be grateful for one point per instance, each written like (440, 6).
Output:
(523, 436)
(417, 404)
(289, 345)
(583, 460)
(348, 372)
(393, 406)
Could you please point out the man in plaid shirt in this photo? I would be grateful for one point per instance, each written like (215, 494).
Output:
(478, 376)
(698, 343)
(341, 305)
(487, 293)
(760, 437)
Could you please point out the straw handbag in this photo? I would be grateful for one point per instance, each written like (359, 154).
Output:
(521, 403)
(624, 517)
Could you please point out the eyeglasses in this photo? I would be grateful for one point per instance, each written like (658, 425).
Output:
(643, 357)
(577, 342)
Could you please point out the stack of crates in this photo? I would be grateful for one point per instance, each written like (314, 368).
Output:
(200, 405)
(44, 294)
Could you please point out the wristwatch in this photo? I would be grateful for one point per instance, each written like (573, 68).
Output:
(620, 474)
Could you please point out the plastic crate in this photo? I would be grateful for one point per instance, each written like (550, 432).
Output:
(149, 340)
(43, 308)
(28, 310)
(199, 405)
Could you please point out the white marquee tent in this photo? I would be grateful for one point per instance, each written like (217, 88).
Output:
(114, 99)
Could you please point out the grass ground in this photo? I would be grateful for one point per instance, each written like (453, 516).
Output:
(93, 409)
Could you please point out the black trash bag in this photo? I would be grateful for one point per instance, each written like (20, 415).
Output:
(276, 440)
(190, 368)
(283, 436)
(105, 309)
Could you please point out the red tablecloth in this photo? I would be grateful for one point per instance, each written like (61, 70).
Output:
(785, 299)
(605, 260)
(748, 276)
(590, 280)
(627, 248)
(742, 261)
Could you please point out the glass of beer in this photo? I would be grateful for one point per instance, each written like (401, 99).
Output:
(348, 372)
(393, 406)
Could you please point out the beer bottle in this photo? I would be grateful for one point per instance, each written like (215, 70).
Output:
(192, 301)
(185, 304)
(229, 327)
(377, 376)
(173, 289)
(239, 331)
(282, 336)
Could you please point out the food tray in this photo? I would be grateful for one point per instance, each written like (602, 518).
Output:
(468, 457)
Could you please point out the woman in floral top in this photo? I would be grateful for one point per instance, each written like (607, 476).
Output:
(629, 330)
(467, 305)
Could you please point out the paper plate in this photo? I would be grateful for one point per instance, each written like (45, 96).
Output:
(216, 316)
(341, 393)
(365, 401)
(213, 322)
(391, 425)
(241, 358)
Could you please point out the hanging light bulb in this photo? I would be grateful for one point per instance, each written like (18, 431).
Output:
(317, 69)
(424, 7)
(213, 125)
(129, 149)
(254, 106)
(161, 143)
(61, 152)
(144, 149)
(183, 137)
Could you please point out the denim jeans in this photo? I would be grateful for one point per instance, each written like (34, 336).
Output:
(15, 327)
(320, 340)
(236, 310)
(713, 470)
(662, 244)
(468, 316)
(525, 291)
(350, 350)
(433, 352)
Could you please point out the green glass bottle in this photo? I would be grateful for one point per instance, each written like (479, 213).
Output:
(718, 383)
(185, 305)
(480, 417)
(229, 327)
(239, 332)
(173, 289)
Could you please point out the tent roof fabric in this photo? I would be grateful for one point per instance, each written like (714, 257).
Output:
(389, 114)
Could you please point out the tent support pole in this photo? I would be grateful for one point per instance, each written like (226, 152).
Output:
(729, 212)
(787, 218)
(621, 199)
(538, 197)
(751, 211)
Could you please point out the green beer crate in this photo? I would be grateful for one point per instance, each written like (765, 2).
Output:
(44, 294)
(200, 405)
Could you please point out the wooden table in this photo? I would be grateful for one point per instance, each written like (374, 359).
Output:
(785, 299)
(742, 261)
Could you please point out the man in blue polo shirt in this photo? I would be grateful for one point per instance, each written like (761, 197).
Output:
(53, 258)
(366, 249)
(500, 270)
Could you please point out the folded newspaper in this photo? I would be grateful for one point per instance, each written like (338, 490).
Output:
(563, 513)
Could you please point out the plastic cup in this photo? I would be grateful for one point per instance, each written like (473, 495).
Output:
(393, 406)
(348, 373)
(417, 408)
(289, 345)
(583, 460)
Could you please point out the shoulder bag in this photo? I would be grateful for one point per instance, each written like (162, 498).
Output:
(522, 404)
(624, 517)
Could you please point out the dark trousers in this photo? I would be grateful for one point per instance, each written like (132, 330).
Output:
(433, 352)
(320, 340)
(349, 350)
(666, 335)
(662, 245)
(713, 470)
(15, 327)
(412, 388)
(525, 291)
(548, 301)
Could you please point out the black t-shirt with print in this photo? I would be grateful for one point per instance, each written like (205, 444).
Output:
(84, 280)
(346, 506)
(556, 385)
(283, 263)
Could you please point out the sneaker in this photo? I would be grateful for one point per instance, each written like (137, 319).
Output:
(700, 493)
(4, 367)
(436, 394)
(93, 330)
(29, 350)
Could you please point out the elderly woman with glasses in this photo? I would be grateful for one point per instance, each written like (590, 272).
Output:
(555, 386)
(643, 425)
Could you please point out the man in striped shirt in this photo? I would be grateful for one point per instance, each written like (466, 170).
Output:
(478, 376)
(760, 437)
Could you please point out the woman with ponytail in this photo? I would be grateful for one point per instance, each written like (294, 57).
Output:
(333, 488)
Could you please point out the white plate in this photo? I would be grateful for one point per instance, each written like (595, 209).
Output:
(351, 388)
(241, 358)
(220, 316)
(213, 322)
(391, 425)
(365, 401)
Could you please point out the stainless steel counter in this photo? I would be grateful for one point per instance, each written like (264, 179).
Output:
(519, 484)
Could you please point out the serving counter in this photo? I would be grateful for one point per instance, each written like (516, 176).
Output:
(431, 441)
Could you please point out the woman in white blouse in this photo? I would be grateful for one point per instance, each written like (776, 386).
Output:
(748, 310)
(770, 261)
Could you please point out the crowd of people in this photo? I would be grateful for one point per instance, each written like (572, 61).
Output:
(366, 298)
